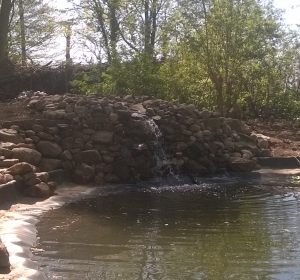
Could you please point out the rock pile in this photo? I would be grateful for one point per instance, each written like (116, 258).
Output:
(107, 140)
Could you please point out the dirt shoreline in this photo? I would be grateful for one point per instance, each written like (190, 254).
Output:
(18, 231)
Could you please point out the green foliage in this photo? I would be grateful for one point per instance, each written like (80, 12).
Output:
(213, 53)
(88, 79)
(138, 76)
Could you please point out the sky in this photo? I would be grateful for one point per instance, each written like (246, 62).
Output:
(291, 7)
(291, 15)
(292, 10)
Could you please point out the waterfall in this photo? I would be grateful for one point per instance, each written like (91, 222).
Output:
(163, 164)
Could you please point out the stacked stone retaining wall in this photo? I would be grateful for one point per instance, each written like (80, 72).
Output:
(107, 140)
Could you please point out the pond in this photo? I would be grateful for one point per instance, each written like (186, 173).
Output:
(173, 232)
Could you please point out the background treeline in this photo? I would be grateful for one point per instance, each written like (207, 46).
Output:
(214, 53)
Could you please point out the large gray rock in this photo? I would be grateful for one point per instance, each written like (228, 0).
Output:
(67, 143)
(40, 190)
(10, 135)
(103, 137)
(241, 164)
(5, 178)
(111, 179)
(49, 149)
(90, 157)
(81, 111)
(49, 164)
(27, 155)
(21, 168)
(195, 168)
(122, 170)
(138, 107)
(213, 123)
(53, 115)
(246, 142)
(66, 156)
(238, 126)
(83, 174)
(4, 256)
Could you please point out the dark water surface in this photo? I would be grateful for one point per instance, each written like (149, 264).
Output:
(170, 233)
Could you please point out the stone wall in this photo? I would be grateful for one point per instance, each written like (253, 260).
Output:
(117, 139)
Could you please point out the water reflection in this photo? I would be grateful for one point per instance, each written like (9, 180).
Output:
(163, 234)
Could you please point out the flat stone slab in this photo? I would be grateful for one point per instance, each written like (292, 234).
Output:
(279, 162)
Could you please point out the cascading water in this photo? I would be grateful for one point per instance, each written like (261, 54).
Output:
(163, 164)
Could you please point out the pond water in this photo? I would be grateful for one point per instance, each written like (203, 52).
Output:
(179, 232)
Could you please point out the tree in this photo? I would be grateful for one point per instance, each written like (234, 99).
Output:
(233, 39)
(6, 7)
(32, 31)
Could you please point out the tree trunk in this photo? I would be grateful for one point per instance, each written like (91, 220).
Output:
(22, 28)
(6, 7)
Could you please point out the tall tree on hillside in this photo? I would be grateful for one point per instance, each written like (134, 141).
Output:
(5, 10)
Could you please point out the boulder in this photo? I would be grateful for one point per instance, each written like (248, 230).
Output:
(28, 176)
(83, 174)
(45, 136)
(49, 149)
(27, 155)
(43, 176)
(90, 157)
(52, 115)
(40, 190)
(138, 107)
(33, 181)
(37, 128)
(195, 168)
(21, 168)
(8, 162)
(122, 170)
(108, 158)
(99, 181)
(103, 137)
(66, 156)
(238, 126)
(241, 164)
(111, 179)
(49, 164)
(10, 135)
(113, 117)
(246, 142)
(67, 143)
(213, 123)
(52, 187)
(5, 178)
(206, 114)
(236, 112)
(81, 111)
(4, 256)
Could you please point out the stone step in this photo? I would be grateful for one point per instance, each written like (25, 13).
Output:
(8, 163)
(279, 162)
